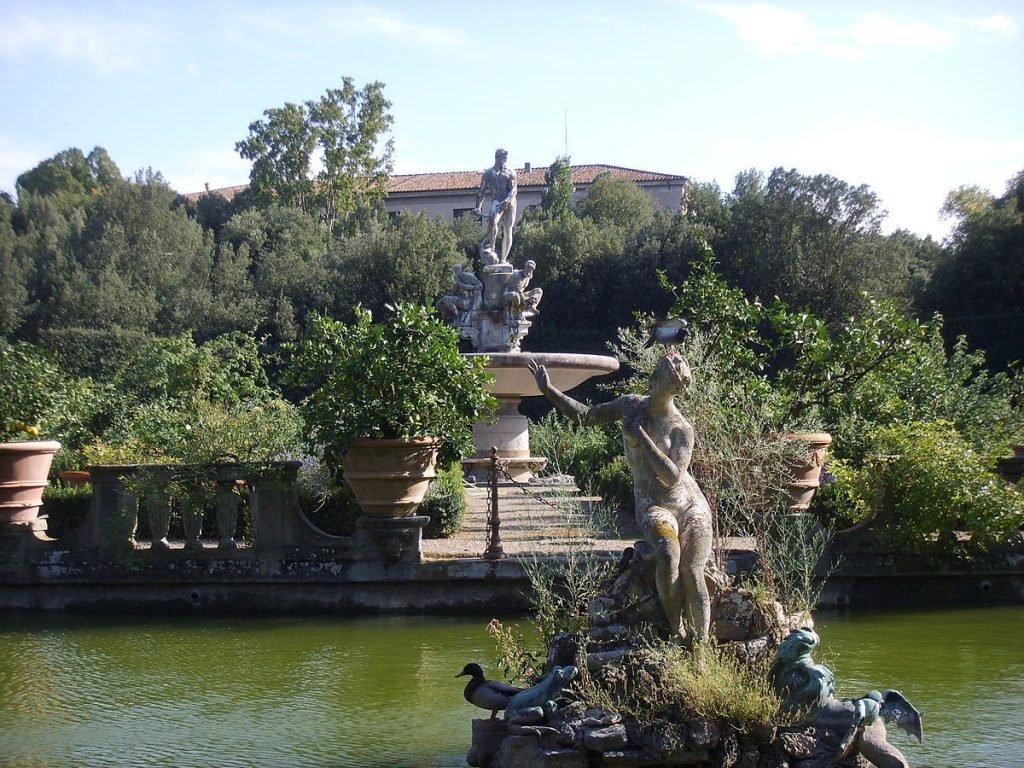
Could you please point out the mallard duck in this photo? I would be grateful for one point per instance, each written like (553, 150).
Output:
(484, 693)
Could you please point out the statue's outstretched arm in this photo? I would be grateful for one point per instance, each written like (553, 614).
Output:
(596, 414)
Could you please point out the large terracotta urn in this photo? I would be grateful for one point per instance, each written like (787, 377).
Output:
(805, 474)
(23, 470)
(390, 477)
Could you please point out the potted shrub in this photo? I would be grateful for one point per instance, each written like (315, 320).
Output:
(385, 400)
(26, 401)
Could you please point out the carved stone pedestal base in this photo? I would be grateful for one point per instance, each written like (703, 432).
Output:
(391, 539)
(23, 535)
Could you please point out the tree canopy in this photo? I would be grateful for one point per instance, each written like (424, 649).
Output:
(328, 156)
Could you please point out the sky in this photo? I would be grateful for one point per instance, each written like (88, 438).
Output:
(913, 99)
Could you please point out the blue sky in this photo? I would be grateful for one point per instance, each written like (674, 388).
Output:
(911, 98)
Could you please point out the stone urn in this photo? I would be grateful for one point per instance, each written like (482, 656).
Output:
(1012, 467)
(805, 474)
(390, 477)
(24, 467)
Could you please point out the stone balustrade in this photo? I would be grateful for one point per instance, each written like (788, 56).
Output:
(121, 493)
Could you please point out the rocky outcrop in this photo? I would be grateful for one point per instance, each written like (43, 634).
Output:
(623, 620)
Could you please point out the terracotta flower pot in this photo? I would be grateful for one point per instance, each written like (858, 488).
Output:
(806, 475)
(75, 478)
(23, 470)
(390, 477)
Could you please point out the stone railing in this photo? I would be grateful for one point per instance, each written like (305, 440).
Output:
(121, 493)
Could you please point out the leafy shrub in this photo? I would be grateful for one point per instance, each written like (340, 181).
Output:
(65, 508)
(29, 390)
(929, 483)
(445, 503)
(400, 378)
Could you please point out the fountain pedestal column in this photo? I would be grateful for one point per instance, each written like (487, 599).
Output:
(512, 382)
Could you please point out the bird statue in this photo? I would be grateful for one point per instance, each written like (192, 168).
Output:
(809, 688)
(484, 693)
(669, 332)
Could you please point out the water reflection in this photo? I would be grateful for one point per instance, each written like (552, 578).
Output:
(182, 692)
(964, 668)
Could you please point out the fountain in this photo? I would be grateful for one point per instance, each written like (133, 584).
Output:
(494, 312)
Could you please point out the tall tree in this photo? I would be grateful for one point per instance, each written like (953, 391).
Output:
(328, 157)
(616, 200)
(557, 198)
(979, 286)
(812, 240)
(71, 173)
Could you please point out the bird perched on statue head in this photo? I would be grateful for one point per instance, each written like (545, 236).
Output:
(484, 693)
(669, 332)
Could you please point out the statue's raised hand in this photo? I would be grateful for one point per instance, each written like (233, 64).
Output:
(540, 374)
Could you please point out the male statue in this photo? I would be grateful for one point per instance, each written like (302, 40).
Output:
(670, 507)
(518, 302)
(500, 183)
(464, 296)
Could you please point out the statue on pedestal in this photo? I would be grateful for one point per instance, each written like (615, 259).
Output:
(493, 308)
(500, 183)
(671, 509)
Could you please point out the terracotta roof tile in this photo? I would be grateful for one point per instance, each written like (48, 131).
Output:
(470, 180)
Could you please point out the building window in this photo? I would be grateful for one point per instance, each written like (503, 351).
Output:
(456, 212)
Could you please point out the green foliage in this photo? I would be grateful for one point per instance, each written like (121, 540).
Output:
(518, 659)
(70, 173)
(979, 282)
(791, 549)
(38, 400)
(557, 198)
(925, 382)
(284, 250)
(27, 393)
(226, 369)
(409, 260)
(401, 378)
(710, 683)
(65, 508)
(575, 449)
(936, 493)
(814, 241)
(616, 200)
(445, 503)
(345, 126)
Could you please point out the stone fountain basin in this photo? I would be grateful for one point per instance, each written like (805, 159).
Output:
(566, 370)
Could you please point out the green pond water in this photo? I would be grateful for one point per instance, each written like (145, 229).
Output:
(330, 692)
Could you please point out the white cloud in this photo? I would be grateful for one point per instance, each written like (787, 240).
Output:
(354, 20)
(997, 25)
(106, 44)
(218, 168)
(880, 29)
(776, 31)
(770, 29)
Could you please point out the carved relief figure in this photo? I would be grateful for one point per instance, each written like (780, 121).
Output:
(670, 507)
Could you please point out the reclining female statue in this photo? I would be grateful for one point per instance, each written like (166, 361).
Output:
(671, 510)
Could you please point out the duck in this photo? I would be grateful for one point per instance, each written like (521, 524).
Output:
(484, 693)
(669, 332)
